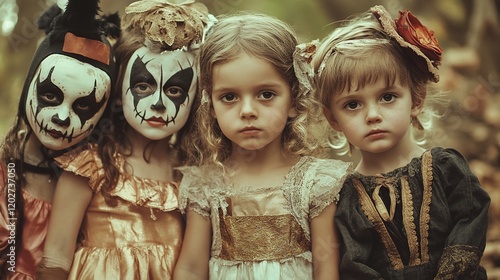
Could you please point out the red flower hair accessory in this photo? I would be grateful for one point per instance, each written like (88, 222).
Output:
(409, 32)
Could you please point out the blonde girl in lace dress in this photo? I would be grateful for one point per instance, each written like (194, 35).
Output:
(122, 193)
(257, 208)
(406, 212)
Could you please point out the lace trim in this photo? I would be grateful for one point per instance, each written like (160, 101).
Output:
(459, 262)
(425, 216)
(372, 214)
(306, 256)
(293, 193)
(322, 202)
(409, 222)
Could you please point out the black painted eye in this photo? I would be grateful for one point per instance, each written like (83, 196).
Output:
(175, 92)
(143, 89)
(49, 98)
(48, 94)
(81, 107)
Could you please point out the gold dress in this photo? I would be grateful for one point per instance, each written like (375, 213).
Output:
(136, 236)
(263, 233)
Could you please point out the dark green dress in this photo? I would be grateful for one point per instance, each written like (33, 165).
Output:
(426, 220)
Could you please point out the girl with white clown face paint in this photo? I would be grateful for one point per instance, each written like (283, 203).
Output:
(129, 176)
(65, 100)
(158, 90)
(65, 93)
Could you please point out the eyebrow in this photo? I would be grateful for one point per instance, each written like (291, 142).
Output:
(270, 85)
(354, 94)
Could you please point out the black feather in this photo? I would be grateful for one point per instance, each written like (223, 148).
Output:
(47, 18)
(110, 24)
(78, 18)
(82, 12)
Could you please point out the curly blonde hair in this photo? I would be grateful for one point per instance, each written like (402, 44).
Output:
(264, 37)
(360, 53)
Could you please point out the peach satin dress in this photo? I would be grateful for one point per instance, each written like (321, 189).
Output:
(137, 234)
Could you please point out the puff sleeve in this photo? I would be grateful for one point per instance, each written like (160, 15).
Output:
(468, 204)
(326, 178)
(194, 190)
(84, 163)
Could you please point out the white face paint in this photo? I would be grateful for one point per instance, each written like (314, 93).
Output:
(65, 100)
(157, 91)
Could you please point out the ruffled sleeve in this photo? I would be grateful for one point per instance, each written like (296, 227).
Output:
(468, 204)
(84, 163)
(326, 178)
(194, 190)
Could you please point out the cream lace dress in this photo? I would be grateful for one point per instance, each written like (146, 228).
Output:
(263, 233)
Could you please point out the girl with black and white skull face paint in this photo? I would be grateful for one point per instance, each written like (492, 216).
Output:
(128, 180)
(65, 100)
(64, 95)
(158, 90)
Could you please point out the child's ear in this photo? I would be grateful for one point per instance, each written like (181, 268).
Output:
(331, 119)
(418, 104)
(292, 113)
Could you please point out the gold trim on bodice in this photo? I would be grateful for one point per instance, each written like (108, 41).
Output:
(376, 211)
(258, 238)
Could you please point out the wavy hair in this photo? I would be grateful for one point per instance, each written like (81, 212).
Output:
(115, 140)
(264, 37)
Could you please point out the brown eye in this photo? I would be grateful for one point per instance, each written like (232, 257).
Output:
(48, 97)
(82, 107)
(352, 105)
(175, 92)
(143, 89)
(267, 95)
(228, 97)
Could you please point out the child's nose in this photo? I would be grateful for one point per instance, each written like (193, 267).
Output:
(61, 117)
(373, 114)
(248, 109)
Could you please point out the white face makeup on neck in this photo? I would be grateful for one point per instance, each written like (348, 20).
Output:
(65, 100)
(157, 91)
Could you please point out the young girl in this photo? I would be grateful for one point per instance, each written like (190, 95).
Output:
(64, 95)
(406, 212)
(122, 193)
(256, 208)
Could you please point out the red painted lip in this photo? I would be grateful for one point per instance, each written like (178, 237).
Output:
(55, 133)
(156, 122)
(156, 119)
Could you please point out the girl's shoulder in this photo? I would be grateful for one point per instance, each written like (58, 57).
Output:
(84, 162)
(448, 161)
(195, 177)
(321, 168)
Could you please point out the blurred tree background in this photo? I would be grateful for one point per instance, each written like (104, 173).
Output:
(468, 31)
